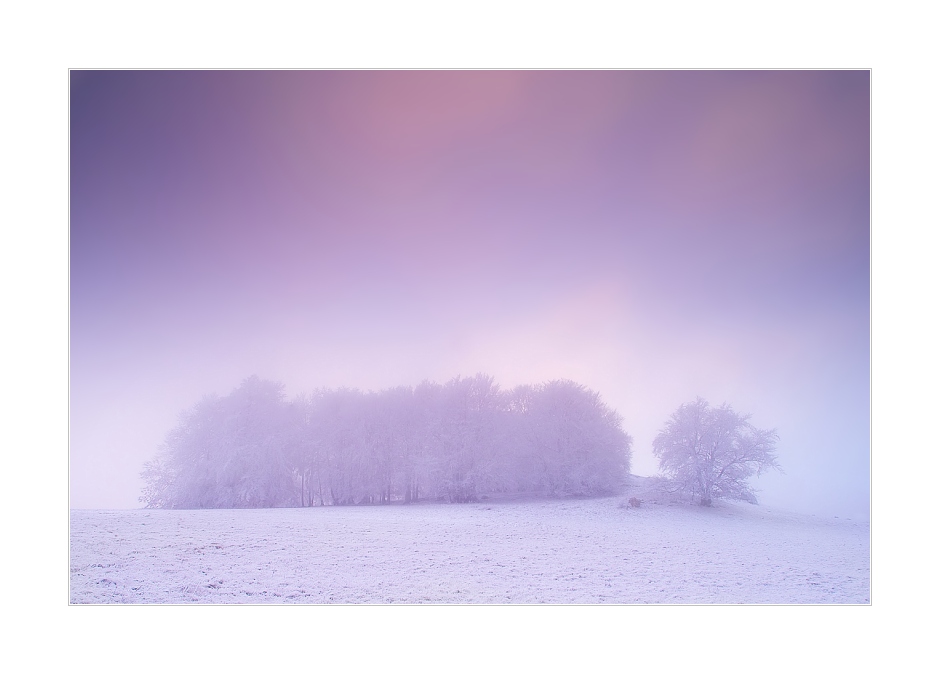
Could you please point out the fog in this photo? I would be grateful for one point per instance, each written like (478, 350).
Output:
(654, 236)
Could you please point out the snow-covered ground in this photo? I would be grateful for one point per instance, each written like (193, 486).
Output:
(552, 551)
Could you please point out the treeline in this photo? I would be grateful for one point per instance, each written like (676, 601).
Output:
(456, 441)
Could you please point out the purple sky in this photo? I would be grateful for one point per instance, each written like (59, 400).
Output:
(654, 235)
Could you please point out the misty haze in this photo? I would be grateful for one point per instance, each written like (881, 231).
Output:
(282, 283)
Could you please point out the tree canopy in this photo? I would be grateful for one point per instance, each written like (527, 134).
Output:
(456, 441)
(712, 452)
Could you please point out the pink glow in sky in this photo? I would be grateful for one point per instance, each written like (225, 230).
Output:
(653, 235)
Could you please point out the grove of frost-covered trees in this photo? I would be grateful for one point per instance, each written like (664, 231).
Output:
(457, 441)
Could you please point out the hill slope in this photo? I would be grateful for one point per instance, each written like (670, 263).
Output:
(561, 551)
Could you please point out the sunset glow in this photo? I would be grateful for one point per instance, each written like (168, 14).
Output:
(653, 235)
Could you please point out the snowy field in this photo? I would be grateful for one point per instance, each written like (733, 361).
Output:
(556, 552)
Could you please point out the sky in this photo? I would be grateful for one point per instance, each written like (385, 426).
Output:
(653, 235)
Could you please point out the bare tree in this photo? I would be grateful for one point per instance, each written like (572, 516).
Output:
(576, 443)
(229, 452)
(712, 452)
